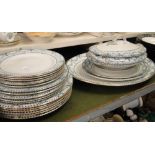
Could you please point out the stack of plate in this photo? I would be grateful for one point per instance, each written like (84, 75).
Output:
(32, 83)
(114, 63)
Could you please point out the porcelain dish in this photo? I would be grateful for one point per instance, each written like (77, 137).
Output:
(118, 63)
(147, 39)
(30, 63)
(33, 83)
(40, 37)
(16, 41)
(132, 72)
(150, 40)
(118, 48)
(75, 66)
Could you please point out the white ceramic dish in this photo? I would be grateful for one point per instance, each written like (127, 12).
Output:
(22, 89)
(7, 36)
(115, 75)
(150, 40)
(16, 41)
(117, 63)
(37, 109)
(76, 69)
(118, 48)
(30, 63)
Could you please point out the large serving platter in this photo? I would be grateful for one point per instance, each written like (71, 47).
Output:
(117, 75)
(29, 63)
(40, 108)
(77, 70)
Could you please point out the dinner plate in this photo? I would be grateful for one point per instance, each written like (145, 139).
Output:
(21, 89)
(28, 84)
(115, 75)
(29, 98)
(37, 107)
(31, 83)
(26, 111)
(37, 112)
(150, 40)
(20, 80)
(66, 87)
(76, 69)
(29, 63)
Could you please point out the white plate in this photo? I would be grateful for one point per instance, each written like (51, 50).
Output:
(150, 40)
(115, 75)
(37, 111)
(27, 63)
(76, 69)
(22, 89)
(25, 111)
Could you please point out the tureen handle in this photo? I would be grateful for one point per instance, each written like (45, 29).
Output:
(103, 36)
(124, 39)
(115, 38)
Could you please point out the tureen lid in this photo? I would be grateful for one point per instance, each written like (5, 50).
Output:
(118, 48)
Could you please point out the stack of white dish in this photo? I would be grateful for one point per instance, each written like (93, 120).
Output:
(32, 83)
(114, 63)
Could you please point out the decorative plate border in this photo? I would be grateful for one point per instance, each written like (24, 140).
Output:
(140, 50)
(60, 61)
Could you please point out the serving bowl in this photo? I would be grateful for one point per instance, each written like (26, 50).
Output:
(148, 40)
(115, 62)
(68, 34)
(118, 48)
(40, 36)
